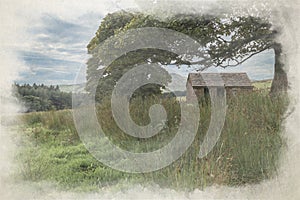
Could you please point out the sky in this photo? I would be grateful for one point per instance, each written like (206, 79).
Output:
(23, 24)
(55, 49)
(58, 50)
(55, 36)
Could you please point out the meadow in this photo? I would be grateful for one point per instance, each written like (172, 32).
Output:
(247, 152)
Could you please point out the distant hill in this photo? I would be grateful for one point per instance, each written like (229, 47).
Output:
(80, 88)
(178, 84)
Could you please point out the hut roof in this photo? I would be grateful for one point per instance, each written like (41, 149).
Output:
(220, 79)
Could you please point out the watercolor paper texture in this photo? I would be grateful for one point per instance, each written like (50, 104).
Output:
(45, 42)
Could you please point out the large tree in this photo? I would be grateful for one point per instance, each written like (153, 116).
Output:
(226, 42)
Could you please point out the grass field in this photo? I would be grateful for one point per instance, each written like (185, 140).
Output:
(262, 85)
(247, 152)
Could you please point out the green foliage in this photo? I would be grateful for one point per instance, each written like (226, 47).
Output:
(42, 98)
(109, 26)
(247, 152)
(226, 41)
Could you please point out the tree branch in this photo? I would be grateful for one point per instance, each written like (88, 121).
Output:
(247, 58)
(210, 64)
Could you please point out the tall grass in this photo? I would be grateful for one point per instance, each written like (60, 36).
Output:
(247, 151)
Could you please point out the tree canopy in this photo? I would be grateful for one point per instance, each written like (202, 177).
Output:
(226, 42)
(43, 98)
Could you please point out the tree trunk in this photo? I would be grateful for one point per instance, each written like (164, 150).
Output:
(280, 81)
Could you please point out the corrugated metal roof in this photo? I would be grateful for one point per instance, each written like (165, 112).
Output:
(220, 79)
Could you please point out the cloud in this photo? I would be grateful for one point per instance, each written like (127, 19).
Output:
(57, 40)
(12, 35)
(47, 70)
(59, 48)
(57, 37)
(35, 59)
(259, 67)
(55, 30)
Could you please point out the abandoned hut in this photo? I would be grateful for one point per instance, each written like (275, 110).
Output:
(233, 83)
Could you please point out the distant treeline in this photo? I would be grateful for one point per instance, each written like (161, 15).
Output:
(43, 98)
